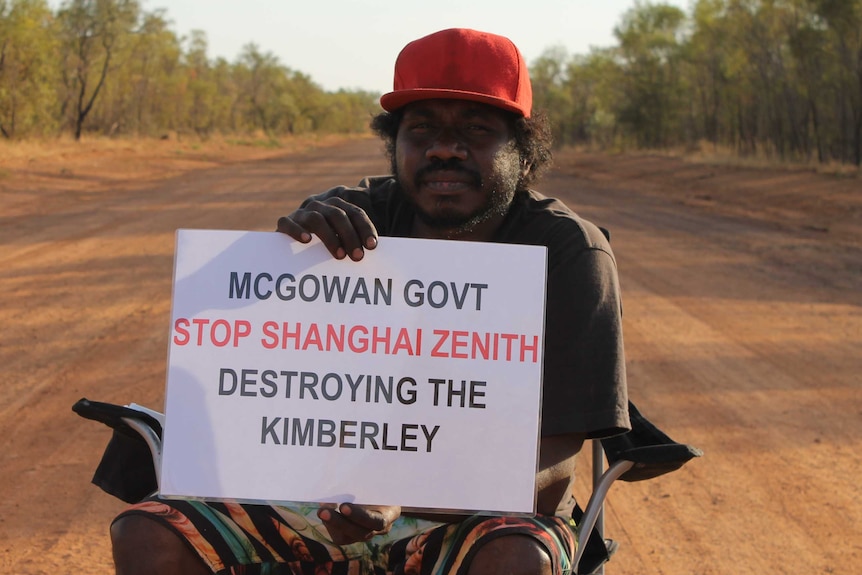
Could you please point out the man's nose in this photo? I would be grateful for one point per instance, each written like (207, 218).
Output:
(445, 145)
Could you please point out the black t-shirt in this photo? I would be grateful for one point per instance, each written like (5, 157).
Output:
(584, 381)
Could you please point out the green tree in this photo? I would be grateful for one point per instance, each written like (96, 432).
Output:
(650, 38)
(551, 92)
(346, 111)
(595, 83)
(708, 71)
(92, 33)
(203, 91)
(265, 103)
(843, 22)
(160, 79)
(27, 68)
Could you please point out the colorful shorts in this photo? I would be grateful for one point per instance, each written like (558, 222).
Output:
(235, 539)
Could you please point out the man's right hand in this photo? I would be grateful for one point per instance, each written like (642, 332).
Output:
(345, 229)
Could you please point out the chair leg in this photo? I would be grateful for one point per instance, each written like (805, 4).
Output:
(594, 507)
(598, 470)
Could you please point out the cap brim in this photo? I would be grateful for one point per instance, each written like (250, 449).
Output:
(394, 100)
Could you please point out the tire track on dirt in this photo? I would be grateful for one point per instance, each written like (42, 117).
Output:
(742, 337)
(752, 359)
(86, 314)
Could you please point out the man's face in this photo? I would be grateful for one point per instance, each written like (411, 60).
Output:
(456, 161)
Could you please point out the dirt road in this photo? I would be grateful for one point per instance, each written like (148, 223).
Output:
(743, 325)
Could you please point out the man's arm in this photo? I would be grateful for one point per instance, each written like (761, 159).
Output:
(556, 470)
(345, 229)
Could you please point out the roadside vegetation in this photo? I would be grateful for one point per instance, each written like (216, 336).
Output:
(778, 80)
(108, 67)
(753, 80)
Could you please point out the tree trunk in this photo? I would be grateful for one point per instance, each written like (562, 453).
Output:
(816, 122)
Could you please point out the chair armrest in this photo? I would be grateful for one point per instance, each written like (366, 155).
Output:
(653, 460)
(650, 449)
(131, 463)
(114, 415)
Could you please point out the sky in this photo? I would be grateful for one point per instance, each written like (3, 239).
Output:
(352, 44)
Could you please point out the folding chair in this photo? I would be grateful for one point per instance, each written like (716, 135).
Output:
(643, 453)
(129, 467)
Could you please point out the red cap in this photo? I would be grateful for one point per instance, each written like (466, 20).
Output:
(462, 64)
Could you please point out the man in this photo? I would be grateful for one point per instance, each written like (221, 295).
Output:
(464, 146)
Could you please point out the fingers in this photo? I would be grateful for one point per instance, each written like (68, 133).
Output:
(287, 226)
(377, 518)
(341, 530)
(345, 229)
(351, 523)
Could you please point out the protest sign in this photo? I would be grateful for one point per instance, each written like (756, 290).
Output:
(411, 378)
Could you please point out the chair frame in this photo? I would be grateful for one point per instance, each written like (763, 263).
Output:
(643, 453)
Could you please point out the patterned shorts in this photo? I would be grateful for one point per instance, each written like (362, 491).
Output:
(239, 539)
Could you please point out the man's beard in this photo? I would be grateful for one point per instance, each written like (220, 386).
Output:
(498, 197)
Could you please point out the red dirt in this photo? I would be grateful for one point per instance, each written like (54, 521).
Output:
(743, 326)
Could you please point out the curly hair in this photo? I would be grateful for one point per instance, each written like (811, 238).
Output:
(533, 140)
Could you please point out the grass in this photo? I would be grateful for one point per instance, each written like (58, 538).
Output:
(706, 153)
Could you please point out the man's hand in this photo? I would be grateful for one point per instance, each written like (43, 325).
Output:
(344, 228)
(348, 523)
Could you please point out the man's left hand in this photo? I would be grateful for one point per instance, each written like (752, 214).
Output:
(349, 523)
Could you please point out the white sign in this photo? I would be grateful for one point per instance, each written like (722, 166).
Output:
(410, 378)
